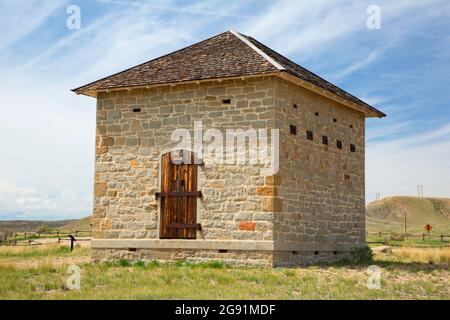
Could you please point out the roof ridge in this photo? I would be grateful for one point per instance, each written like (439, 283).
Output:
(272, 61)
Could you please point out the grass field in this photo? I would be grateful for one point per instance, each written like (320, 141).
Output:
(41, 273)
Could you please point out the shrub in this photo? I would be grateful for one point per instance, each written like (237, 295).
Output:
(43, 228)
(362, 255)
(124, 263)
(139, 263)
(397, 237)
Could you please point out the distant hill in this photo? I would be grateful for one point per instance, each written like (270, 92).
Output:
(83, 224)
(388, 214)
(31, 225)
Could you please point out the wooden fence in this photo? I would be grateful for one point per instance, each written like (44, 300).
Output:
(32, 238)
(392, 236)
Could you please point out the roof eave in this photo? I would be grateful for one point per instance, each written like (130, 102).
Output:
(93, 92)
(369, 111)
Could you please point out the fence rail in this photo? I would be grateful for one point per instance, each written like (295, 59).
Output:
(29, 238)
(393, 235)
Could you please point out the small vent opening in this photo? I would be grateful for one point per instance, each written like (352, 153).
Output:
(132, 249)
(309, 135)
(325, 140)
(136, 109)
(226, 101)
(317, 114)
(295, 106)
(339, 144)
(352, 148)
(293, 129)
(223, 251)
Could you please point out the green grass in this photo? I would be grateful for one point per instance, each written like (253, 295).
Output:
(123, 279)
(41, 252)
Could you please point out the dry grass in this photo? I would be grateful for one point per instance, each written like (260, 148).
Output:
(438, 256)
(41, 273)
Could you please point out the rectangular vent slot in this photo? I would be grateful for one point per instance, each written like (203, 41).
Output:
(137, 110)
(352, 148)
(293, 129)
(339, 144)
(309, 135)
(325, 140)
(226, 101)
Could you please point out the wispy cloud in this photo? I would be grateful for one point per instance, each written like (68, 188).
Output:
(355, 66)
(16, 21)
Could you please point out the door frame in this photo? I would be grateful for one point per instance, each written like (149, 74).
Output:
(161, 201)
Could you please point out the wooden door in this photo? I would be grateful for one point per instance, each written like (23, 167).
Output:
(178, 199)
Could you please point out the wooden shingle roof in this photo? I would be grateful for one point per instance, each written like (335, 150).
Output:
(227, 55)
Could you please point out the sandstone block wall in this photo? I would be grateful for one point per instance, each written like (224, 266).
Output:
(129, 146)
(312, 210)
(321, 187)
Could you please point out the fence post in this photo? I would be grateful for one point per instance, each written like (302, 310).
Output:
(379, 235)
(57, 234)
(442, 237)
(72, 239)
(423, 236)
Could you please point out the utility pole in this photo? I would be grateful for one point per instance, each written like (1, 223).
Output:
(420, 190)
(405, 224)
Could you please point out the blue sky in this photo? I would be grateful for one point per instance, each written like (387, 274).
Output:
(47, 133)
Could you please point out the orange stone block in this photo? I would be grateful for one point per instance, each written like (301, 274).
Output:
(134, 163)
(266, 191)
(247, 225)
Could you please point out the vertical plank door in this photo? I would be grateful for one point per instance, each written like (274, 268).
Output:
(178, 199)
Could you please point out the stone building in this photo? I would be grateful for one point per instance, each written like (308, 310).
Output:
(148, 205)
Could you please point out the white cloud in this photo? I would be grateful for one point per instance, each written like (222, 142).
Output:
(396, 167)
(30, 203)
